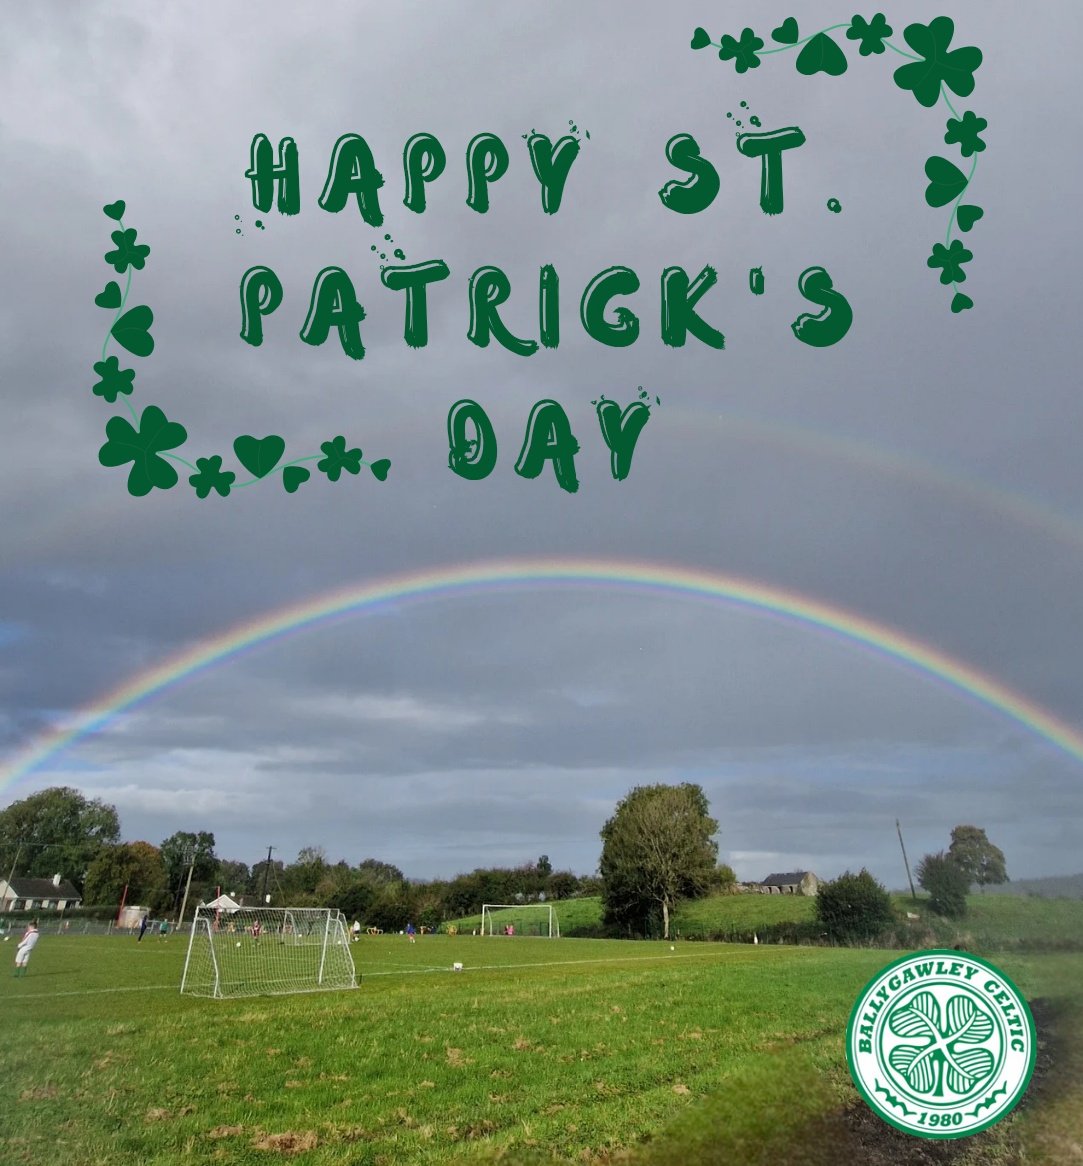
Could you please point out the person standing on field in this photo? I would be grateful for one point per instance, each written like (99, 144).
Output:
(142, 929)
(26, 946)
(410, 933)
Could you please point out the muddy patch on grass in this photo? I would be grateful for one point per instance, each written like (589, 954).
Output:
(858, 1137)
(288, 1142)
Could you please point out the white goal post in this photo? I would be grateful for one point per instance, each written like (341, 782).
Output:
(537, 919)
(267, 951)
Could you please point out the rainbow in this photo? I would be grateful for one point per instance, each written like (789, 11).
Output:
(502, 575)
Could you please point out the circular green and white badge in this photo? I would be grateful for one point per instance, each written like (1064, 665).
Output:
(941, 1044)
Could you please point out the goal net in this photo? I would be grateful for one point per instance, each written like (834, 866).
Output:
(267, 951)
(537, 919)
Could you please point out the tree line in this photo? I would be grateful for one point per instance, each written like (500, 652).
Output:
(659, 849)
(60, 831)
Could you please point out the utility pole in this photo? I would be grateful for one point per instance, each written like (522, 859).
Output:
(191, 856)
(906, 861)
(266, 872)
(12, 874)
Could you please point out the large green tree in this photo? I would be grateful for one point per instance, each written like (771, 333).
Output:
(55, 831)
(947, 884)
(135, 865)
(185, 848)
(657, 849)
(983, 862)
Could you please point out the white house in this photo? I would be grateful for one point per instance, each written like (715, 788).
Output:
(55, 894)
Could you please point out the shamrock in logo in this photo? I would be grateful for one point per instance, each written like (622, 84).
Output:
(114, 379)
(142, 447)
(742, 52)
(338, 458)
(942, 1054)
(951, 260)
(938, 66)
(128, 253)
(965, 131)
(211, 476)
(871, 33)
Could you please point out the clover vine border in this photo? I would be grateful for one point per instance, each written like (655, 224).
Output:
(145, 440)
(928, 75)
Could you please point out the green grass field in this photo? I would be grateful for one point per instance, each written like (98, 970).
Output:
(573, 1050)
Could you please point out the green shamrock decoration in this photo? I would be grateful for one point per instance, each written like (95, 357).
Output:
(338, 458)
(787, 32)
(821, 55)
(294, 476)
(211, 476)
(114, 379)
(141, 447)
(950, 260)
(954, 69)
(742, 52)
(380, 468)
(109, 296)
(965, 131)
(946, 181)
(132, 331)
(258, 457)
(128, 253)
(115, 210)
(936, 69)
(942, 1052)
(871, 33)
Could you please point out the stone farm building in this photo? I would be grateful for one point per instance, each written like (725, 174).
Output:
(798, 882)
(55, 894)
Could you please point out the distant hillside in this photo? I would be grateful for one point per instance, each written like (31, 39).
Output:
(1054, 887)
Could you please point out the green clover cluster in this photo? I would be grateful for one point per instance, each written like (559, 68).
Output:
(144, 441)
(933, 68)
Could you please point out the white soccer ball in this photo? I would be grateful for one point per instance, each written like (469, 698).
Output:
(672, 948)
(456, 967)
(238, 943)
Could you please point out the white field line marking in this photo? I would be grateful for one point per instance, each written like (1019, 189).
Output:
(90, 992)
(620, 959)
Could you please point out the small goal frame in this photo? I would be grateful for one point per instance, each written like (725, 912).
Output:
(487, 910)
(267, 951)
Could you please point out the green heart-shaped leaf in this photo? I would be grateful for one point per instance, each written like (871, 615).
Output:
(967, 215)
(946, 181)
(115, 210)
(821, 55)
(701, 38)
(109, 296)
(294, 476)
(260, 456)
(786, 33)
(960, 303)
(380, 468)
(132, 331)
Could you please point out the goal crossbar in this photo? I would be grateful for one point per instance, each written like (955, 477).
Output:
(528, 918)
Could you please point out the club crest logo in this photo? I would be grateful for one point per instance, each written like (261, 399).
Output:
(941, 1044)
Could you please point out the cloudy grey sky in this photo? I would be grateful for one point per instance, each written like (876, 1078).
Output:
(923, 474)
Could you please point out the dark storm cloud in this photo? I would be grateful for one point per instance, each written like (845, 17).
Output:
(492, 728)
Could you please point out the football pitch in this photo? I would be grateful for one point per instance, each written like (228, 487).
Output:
(539, 1050)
